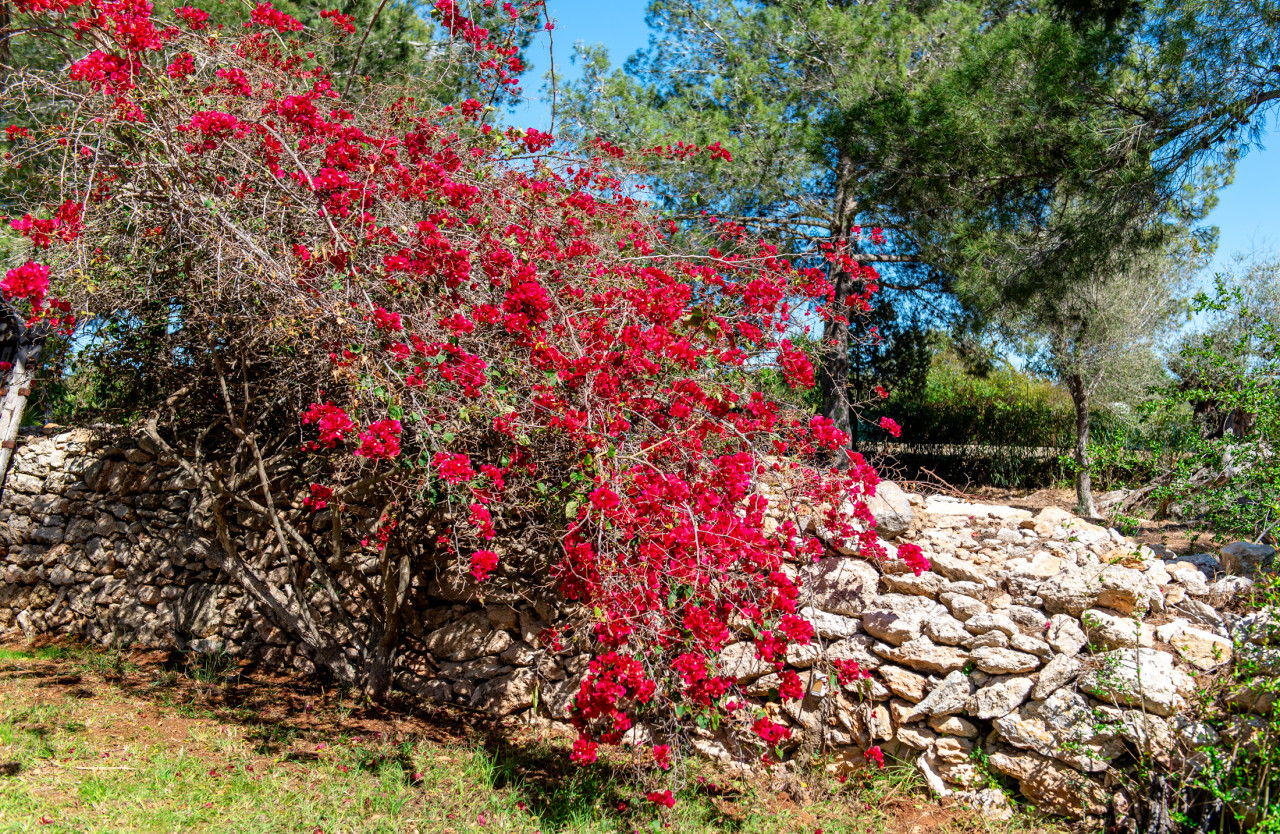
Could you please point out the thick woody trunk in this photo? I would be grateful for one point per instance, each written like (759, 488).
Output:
(833, 373)
(1084, 482)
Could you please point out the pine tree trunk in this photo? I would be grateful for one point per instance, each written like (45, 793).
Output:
(1084, 482)
(833, 373)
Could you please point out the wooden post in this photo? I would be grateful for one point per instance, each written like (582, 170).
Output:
(26, 360)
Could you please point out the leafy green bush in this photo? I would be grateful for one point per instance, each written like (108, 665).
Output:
(1231, 483)
(1004, 428)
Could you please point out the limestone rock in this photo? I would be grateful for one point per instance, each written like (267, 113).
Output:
(982, 623)
(467, 638)
(856, 648)
(841, 585)
(914, 735)
(1070, 592)
(953, 725)
(1042, 566)
(949, 697)
(1058, 672)
(999, 697)
(927, 765)
(943, 506)
(507, 694)
(925, 585)
(1065, 635)
(991, 803)
(1246, 559)
(945, 629)
(739, 661)
(1062, 728)
(961, 606)
(1112, 631)
(1140, 678)
(958, 569)
(1031, 645)
(1118, 588)
(1202, 649)
(997, 661)
(1053, 786)
(905, 684)
(831, 626)
(922, 654)
(891, 509)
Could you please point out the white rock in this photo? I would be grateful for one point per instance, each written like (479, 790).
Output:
(841, 585)
(1202, 649)
(1062, 728)
(997, 661)
(923, 655)
(831, 626)
(939, 506)
(904, 684)
(1058, 672)
(891, 509)
(949, 697)
(1246, 558)
(1065, 634)
(945, 629)
(1139, 677)
(999, 698)
(953, 725)
(1112, 631)
(982, 623)
(961, 606)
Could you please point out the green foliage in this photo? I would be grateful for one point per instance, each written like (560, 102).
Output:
(1240, 769)
(1129, 447)
(1005, 427)
(1231, 483)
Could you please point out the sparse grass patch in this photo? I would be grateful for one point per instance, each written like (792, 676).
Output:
(146, 752)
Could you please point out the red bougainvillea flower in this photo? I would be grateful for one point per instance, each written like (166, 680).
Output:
(792, 688)
(29, 281)
(380, 441)
(848, 671)
(914, 557)
(513, 329)
(874, 754)
(769, 731)
(482, 564)
(331, 422)
(318, 498)
(455, 468)
(891, 426)
(663, 798)
(584, 750)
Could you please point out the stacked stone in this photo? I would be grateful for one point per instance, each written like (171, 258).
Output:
(97, 546)
(1040, 646)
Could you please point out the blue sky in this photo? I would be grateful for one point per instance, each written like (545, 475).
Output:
(1247, 215)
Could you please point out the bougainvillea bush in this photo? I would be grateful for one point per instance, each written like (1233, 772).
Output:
(401, 346)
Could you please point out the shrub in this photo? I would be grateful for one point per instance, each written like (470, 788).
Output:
(1231, 482)
(410, 347)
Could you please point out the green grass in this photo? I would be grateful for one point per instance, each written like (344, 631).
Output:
(104, 754)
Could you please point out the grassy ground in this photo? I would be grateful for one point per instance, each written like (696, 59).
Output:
(105, 741)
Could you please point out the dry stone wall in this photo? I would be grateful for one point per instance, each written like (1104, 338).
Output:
(1040, 647)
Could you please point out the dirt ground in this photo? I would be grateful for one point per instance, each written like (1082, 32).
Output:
(96, 740)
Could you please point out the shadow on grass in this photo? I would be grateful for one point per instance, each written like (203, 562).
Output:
(558, 792)
(294, 718)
